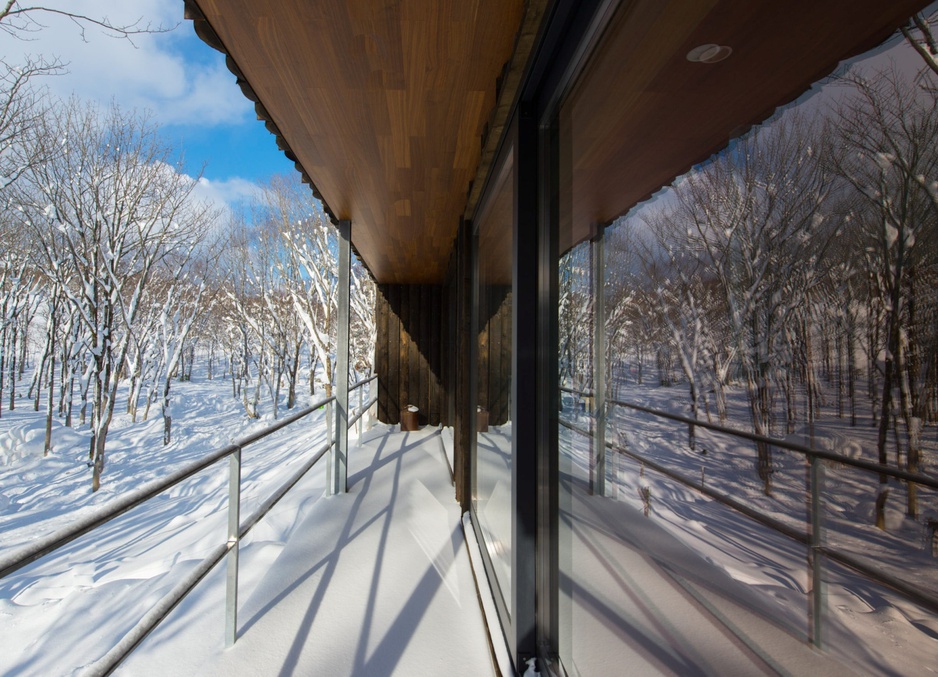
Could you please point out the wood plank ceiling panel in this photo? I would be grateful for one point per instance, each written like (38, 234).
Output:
(642, 114)
(383, 104)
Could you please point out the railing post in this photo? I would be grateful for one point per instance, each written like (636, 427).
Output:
(338, 478)
(597, 248)
(372, 391)
(234, 529)
(818, 601)
(361, 413)
(331, 442)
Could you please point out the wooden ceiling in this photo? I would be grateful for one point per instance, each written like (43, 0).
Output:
(643, 114)
(384, 104)
(494, 219)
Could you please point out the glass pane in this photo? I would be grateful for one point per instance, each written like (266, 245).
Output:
(493, 489)
(784, 287)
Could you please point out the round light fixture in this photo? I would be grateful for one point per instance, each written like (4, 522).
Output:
(709, 53)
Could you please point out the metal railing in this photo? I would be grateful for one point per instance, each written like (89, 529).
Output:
(813, 537)
(237, 530)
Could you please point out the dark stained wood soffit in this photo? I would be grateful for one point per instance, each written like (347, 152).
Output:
(511, 81)
(208, 35)
(642, 114)
(381, 105)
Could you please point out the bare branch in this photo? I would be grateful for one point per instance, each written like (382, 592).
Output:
(925, 45)
(17, 21)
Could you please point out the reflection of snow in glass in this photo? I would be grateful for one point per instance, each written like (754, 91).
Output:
(493, 499)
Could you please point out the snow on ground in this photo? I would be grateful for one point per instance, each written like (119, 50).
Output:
(375, 582)
(68, 609)
(880, 632)
(62, 613)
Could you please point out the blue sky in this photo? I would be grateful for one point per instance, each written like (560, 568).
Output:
(182, 81)
(240, 147)
(174, 75)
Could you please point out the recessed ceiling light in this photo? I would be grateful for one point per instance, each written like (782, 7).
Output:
(709, 53)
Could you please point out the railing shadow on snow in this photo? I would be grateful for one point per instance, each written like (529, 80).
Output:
(813, 537)
(237, 529)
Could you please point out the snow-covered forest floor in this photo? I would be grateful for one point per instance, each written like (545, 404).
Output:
(879, 630)
(63, 612)
(70, 608)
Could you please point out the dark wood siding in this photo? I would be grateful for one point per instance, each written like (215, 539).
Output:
(495, 353)
(413, 352)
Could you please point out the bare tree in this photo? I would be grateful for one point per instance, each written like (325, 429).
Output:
(574, 313)
(285, 203)
(681, 296)
(187, 290)
(22, 107)
(22, 103)
(363, 331)
(19, 298)
(919, 33)
(755, 215)
(888, 132)
(106, 209)
(20, 21)
(311, 242)
(236, 304)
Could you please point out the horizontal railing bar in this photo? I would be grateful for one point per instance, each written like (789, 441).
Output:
(916, 594)
(576, 429)
(923, 480)
(361, 413)
(45, 545)
(130, 641)
(720, 497)
(265, 507)
(359, 384)
(586, 393)
(148, 623)
(283, 423)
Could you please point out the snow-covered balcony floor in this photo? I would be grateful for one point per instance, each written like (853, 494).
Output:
(645, 600)
(374, 582)
(378, 582)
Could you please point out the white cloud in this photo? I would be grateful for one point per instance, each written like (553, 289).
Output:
(226, 194)
(149, 73)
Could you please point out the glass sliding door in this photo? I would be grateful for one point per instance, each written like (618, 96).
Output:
(493, 488)
(746, 299)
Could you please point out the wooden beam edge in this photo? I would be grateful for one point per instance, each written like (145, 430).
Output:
(206, 33)
(507, 99)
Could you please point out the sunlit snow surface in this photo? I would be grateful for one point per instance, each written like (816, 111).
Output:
(377, 615)
(66, 611)
(375, 582)
(869, 628)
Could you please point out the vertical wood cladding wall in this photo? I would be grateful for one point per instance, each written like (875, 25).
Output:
(413, 355)
(495, 352)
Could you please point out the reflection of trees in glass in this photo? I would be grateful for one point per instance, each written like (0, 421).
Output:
(574, 318)
(887, 133)
(750, 229)
(799, 263)
(920, 34)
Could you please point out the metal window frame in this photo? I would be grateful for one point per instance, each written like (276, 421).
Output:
(571, 35)
(338, 471)
(530, 619)
(504, 605)
(530, 368)
(598, 288)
